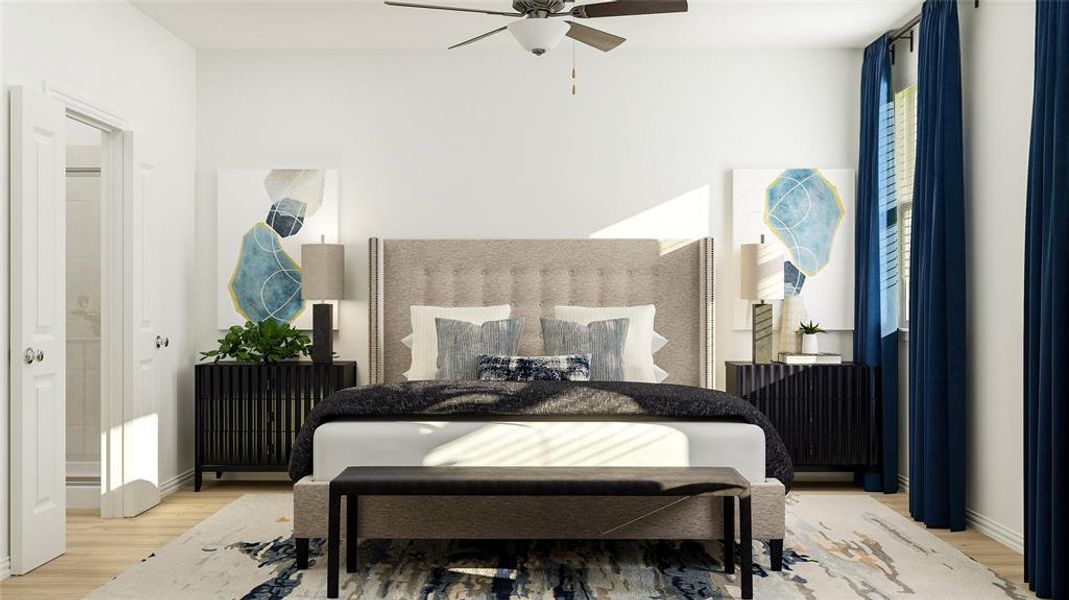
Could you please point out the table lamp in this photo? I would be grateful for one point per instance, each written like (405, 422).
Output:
(761, 273)
(322, 278)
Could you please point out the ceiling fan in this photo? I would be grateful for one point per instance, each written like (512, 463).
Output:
(539, 30)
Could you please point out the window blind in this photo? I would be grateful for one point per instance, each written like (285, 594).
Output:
(905, 161)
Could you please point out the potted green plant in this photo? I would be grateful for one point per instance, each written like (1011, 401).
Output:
(267, 342)
(809, 332)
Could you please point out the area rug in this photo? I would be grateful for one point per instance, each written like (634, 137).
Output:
(837, 546)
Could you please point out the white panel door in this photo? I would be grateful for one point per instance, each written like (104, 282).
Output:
(38, 329)
(141, 415)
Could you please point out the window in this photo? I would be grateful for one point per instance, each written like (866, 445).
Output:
(905, 161)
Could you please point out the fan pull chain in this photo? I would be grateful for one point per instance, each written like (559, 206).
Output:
(573, 67)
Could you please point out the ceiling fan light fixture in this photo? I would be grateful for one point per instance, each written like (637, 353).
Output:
(538, 36)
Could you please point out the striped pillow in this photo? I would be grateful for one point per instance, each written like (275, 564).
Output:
(570, 367)
(460, 343)
(602, 340)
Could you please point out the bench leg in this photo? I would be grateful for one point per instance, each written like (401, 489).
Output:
(746, 539)
(302, 553)
(333, 541)
(775, 550)
(729, 534)
(350, 533)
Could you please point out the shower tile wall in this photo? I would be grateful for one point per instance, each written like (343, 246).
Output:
(83, 307)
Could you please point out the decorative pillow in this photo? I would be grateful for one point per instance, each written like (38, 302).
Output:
(568, 367)
(602, 341)
(638, 348)
(461, 343)
(424, 337)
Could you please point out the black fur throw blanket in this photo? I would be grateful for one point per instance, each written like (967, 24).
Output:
(537, 400)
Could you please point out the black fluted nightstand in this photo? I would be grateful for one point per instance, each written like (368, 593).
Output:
(827, 415)
(247, 415)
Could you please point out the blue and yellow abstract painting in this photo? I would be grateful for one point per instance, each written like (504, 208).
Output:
(264, 216)
(803, 210)
(808, 215)
(267, 281)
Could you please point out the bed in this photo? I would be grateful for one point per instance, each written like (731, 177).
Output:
(533, 276)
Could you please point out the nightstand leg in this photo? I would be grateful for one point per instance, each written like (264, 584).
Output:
(729, 534)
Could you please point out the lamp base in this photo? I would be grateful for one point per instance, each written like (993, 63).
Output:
(322, 334)
(762, 334)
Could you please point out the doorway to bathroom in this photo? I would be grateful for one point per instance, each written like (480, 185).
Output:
(84, 252)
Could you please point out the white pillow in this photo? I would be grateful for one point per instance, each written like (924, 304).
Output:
(424, 337)
(639, 346)
(658, 342)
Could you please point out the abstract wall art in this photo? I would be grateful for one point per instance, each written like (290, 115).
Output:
(809, 214)
(263, 217)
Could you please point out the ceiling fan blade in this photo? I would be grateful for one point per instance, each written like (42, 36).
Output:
(621, 8)
(597, 38)
(478, 37)
(454, 8)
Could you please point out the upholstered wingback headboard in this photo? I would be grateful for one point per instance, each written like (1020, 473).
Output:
(534, 276)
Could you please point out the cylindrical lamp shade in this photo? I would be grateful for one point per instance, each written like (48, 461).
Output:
(323, 271)
(761, 270)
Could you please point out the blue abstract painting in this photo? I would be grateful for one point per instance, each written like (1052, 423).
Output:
(264, 217)
(267, 282)
(803, 209)
(807, 215)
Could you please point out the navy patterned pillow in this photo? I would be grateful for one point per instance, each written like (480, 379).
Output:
(568, 367)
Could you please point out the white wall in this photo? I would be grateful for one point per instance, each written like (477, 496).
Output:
(490, 143)
(997, 70)
(115, 55)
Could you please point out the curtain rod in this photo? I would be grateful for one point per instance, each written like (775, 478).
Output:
(905, 30)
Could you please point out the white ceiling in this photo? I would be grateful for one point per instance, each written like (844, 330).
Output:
(368, 24)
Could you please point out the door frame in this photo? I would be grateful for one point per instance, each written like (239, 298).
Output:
(116, 354)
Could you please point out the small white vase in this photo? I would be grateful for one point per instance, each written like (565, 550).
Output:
(810, 345)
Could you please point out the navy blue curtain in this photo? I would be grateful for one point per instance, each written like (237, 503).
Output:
(876, 252)
(1046, 313)
(937, 280)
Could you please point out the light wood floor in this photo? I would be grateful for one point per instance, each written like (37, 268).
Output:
(99, 549)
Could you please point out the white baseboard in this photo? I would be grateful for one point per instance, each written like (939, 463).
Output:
(176, 483)
(996, 531)
(5, 567)
(83, 495)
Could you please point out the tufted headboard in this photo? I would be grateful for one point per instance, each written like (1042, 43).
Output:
(535, 275)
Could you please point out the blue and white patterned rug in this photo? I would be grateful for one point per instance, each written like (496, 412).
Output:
(838, 546)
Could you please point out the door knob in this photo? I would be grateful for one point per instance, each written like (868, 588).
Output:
(159, 342)
(30, 356)
(40, 355)
(166, 342)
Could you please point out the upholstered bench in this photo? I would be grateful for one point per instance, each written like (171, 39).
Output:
(355, 482)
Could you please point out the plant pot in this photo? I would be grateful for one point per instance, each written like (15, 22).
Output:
(810, 343)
